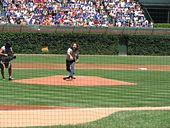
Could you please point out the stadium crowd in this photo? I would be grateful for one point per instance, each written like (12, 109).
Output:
(106, 13)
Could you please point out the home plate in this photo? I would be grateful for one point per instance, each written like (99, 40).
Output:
(79, 81)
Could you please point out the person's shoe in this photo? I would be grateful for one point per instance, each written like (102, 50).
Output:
(10, 78)
(70, 78)
(65, 78)
(3, 78)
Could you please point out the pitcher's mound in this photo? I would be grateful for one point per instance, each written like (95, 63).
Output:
(79, 81)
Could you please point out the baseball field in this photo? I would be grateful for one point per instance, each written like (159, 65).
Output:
(108, 92)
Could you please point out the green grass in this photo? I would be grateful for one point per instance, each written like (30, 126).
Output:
(98, 59)
(128, 119)
(152, 89)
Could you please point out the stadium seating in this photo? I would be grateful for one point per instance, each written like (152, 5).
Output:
(106, 13)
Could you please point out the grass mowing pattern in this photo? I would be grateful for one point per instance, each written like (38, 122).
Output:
(152, 89)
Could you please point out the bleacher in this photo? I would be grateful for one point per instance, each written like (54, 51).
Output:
(105, 13)
(2, 14)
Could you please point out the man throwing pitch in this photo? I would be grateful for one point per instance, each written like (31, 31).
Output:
(71, 59)
(6, 55)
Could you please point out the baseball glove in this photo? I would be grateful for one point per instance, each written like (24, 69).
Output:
(77, 60)
(7, 58)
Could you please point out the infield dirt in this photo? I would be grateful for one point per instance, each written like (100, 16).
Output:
(27, 116)
(92, 66)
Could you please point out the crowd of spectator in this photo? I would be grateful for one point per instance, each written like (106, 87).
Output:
(106, 13)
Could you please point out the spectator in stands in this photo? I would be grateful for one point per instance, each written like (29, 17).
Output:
(120, 13)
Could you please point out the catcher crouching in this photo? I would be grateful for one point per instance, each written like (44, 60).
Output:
(6, 55)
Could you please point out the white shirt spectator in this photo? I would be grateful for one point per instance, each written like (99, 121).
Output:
(91, 23)
(77, 12)
(122, 4)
